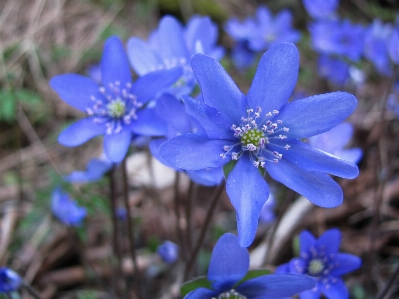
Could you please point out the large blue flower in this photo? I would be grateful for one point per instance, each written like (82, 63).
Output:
(229, 264)
(261, 131)
(320, 258)
(114, 109)
(9, 280)
(172, 45)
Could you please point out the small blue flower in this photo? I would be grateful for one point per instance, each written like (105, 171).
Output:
(66, 209)
(168, 251)
(321, 9)
(261, 132)
(95, 170)
(9, 280)
(320, 258)
(334, 141)
(333, 69)
(171, 46)
(115, 109)
(229, 264)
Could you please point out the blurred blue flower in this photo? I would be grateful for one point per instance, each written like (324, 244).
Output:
(261, 132)
(95, 170)
(393, 45)
(375, 46)
(9, 280)
(94, 72)
(168, 251)
(321, 9)
(179, 122)
(320, 258)
(229, 264)
(66, 209)
(334, 141)
(266, 213)
(171, 46)
(333, 69)
(115, 109)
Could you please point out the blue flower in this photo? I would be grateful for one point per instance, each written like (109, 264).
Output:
(321, 9)
(66, 209)
(179, 122)
(334, 141)
(261, 132)
(333, 69)
(229, 264)
(320, 258)
(95, 170)
(375, 45)
(171, 45)
(168, 251)
(117, 108)
(9, 280)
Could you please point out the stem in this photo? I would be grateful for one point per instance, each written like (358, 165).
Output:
(208, 219)
(130, 227)
(31, 290)
(390, 284)
(192, 196)
(179, 231)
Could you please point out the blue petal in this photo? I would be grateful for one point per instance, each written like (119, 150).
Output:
(154, 149)
(317, 187)
(352, 155)
(209, 118)
(345, 263)
(114, 63)
(275, 78)
(218, 89)
(336, 290)
(76, 90)
(329, 241)
(306, 240)
(248, 191)
(117, 145)
(317, 114)
(229, 262)
(149, 123)
(207, 177)
(148, 86)
(194, 151)
(142, 57)
(95, 170)
(200, 293)
(81, 131)
(276, 285)
(334, 139)
(171, 39)
(311, 294)
(311, 159)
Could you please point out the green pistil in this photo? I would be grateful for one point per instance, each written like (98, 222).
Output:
(316, 266)
(252, 136)
(232, 294)
(116, 108)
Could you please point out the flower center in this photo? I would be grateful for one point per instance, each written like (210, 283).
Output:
(232, 294)
(116, 108)
(315, 267)
(255, 137)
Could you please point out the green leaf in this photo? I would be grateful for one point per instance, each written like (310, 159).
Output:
(199, 282)
(253, 274)
(228, 167)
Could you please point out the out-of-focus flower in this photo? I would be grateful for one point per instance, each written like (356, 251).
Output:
(267, 214)
(117, 108)
(94, 72)
(321, 9)
(168, 251)
(393, 45)
(333, 69)
(261, 132)
(228, 266)
(171, 46)
(9, 280)
(334, 141)
(320, 258)
(95, 170)
(66, 209)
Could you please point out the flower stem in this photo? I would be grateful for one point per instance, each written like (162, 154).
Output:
(179, 230)
(31, 290)
(201, 238)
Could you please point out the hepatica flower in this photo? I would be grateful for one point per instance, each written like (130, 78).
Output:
(9, 280)
(66, 209)
(321, 9)
(168, 251)
(115, 109)
(320, 258)
(95, 170)
(229, 265)
(261, 132)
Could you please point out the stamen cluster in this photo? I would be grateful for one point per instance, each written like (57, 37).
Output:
(232, 294)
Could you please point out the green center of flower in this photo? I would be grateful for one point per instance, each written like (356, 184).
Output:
(253, 136)
(232, 294)
(316, 266)
(116, 108)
